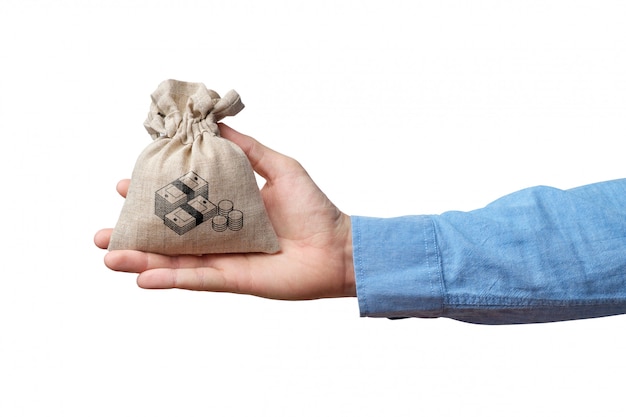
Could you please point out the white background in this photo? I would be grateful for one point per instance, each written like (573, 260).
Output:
(394, 108)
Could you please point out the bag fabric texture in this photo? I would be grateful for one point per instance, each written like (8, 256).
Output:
(192, 191)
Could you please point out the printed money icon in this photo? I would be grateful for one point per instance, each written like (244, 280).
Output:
(180, 221)
(203, 207)
(179, 192)
(184, 204)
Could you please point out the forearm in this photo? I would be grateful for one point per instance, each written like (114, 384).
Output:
(540, 254)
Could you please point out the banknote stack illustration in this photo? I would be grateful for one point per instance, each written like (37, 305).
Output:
(184, 204)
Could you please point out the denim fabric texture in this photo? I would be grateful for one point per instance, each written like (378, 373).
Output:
(538, 255)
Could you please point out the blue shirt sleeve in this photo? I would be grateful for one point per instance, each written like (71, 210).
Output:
(537, 255)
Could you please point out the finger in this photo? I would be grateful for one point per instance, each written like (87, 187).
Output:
(102, 238)
(265, 161)
(198, 279)
(122, 187)
(138, 261)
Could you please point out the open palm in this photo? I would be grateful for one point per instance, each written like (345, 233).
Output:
(315, 260)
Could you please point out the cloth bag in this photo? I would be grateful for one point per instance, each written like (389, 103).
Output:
(192, 191)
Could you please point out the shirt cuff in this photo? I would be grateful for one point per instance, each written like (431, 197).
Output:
(397, 267)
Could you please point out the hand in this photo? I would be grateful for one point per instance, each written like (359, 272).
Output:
(315, 260)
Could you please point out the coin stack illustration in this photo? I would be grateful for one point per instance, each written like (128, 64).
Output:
(235, 220)
(184, 204)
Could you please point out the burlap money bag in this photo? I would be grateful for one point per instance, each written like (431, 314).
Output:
(192, 191)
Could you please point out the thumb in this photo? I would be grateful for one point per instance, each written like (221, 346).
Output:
(265, 161)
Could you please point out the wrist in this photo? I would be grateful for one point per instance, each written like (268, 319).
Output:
(349, 287)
